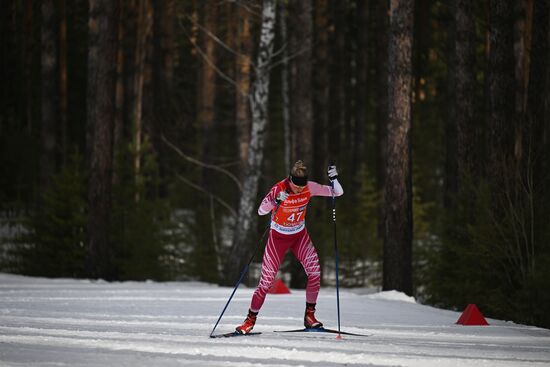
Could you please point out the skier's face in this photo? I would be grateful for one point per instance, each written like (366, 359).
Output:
(296, 189)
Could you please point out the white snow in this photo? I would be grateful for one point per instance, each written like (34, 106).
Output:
(65, 322)
(392, 296)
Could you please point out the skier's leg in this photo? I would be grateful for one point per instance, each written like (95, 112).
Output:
(275, 250)
(306, 253)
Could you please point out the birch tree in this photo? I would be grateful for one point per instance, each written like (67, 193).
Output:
(259, 108)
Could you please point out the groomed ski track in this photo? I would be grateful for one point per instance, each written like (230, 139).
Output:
(81, 323)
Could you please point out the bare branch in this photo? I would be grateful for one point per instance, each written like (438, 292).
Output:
(288, 58)
(219, 200)
(255, 13)
(202, 164)
(213, 36)
(210, 63)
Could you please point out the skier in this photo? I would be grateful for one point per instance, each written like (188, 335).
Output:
(288, 201)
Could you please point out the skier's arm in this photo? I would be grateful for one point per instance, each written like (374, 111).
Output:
(323, 190)
(269, 201)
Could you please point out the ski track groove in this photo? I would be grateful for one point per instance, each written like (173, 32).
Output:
(175, 323)
(252, 351)
(136, 340)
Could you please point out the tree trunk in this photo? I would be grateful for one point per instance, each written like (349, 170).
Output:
(546, 134)
(361, 95)
(28, 47)
(523, 18)
(130, 40)
(301, 108)
(534, 142)
(501, 89)
(539, 61)
(242, 80)
(144, 24)
(398, 191)
(301, 102)
(63, 78)
(206, 263)
(118, 130)
(523, 21)
(450, 177)
(207, 80)
(285, 86)
(321, 87)
(49, 63)
(422, 39)
(237, 259)
(100, 116)
(349, 82)
(462, 75)
(465, 88)
(338, 82)
(380, 19)
(164, 62)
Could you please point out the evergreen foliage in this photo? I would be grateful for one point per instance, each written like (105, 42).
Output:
(361, 247)
(425, 238)
(492, 253)
(52, 243)
(203, 260)
(139, 216)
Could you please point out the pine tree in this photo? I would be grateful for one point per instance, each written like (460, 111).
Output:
(100, 124)
(52, 243)
(398, 185)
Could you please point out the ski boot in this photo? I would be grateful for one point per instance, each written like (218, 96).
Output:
(248, 323)
(310, 322)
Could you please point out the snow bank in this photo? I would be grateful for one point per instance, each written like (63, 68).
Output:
(392, 296)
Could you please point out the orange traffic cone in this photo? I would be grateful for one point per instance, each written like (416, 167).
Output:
(278, 287)
(472, 316)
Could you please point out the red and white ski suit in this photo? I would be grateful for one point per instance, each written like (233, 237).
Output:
(288, 232)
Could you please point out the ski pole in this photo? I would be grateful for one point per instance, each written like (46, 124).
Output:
(245, 270)
(336, 254)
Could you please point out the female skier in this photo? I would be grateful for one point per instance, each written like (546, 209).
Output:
(288, 201)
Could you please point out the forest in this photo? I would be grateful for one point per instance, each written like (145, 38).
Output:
(138, 137)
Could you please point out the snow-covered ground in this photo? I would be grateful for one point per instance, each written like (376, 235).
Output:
(69, 322)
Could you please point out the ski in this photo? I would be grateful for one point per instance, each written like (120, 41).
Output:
(319, 330)
(234, 333)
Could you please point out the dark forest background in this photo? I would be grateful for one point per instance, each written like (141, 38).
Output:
(138, 137)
